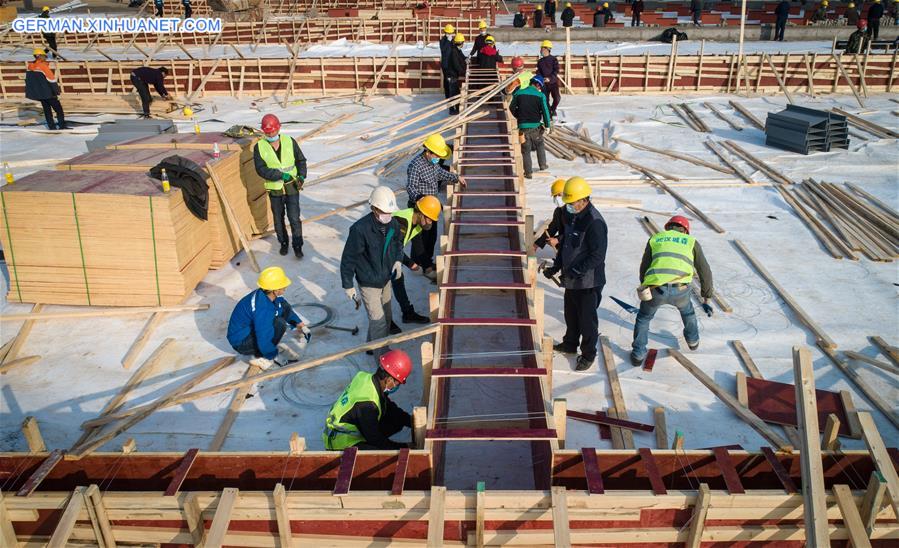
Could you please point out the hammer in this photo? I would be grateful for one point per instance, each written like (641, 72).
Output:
(555, 279)
(353, 330)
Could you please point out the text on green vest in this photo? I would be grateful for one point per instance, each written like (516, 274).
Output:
(672, 258)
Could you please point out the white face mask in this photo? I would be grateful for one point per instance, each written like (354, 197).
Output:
(558, 201)
(384, 218)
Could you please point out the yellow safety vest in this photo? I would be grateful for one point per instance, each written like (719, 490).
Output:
(672, 258)
(412, 230)
(339, 435)
(270, 157)
(524, 79)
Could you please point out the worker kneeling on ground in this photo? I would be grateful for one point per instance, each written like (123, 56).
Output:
(413, 221)
(364, 416)
(669, 262)
(261, 319)
(582, 262)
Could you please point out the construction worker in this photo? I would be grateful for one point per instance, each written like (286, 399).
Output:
(262, 318)
(636, 10)
(280, 162)
(696, 9)
(781, 14)
(670, 261)
(188, 10)
(858, 40)
(548, 68)
(159, 4)
(142, 78)
(875, 12)
(521, 19)
(364, 416)
(852, 15)
(550, 235)
(424, 176)
(549, 7)
(49, 37)
(538, 17)
(568, 15)
(581, 260)
(602, 16)
(524, 76)
(372, 257)
(489, 56)
(480, 40)
(413, 221)
(455, 69)
(528, 106)
(820, 13)
(41, 85)
(446, 46)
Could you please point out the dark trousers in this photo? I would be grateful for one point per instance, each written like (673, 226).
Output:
(635, 19)
(582, 320)
(158, 10)
(697, 18)
(423, 246)
(552, 91)
(390, 424)
(873, 29)
(290, 204)
(399, 291)
(454, 88)
(53, 103)
(188, 11)
(144, 91)
(249, 346)
(779, 27)
(50, 37)
(533, 140)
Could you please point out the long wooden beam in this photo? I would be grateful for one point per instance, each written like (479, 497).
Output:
(813, 493)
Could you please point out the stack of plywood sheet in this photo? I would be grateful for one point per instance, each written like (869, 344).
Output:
(108, 238)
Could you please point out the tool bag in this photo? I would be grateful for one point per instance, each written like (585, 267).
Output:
(190, 177)
(669, 34)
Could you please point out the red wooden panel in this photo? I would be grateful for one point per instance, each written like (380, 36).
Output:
(491, 433)
(479, 285)
(487, 321)
(484, 252)
(779, 470)
(605, 431)
(345, 473)
(650, 359)
(776, 402)
(602, 418)
(489, 372)
(592, 471)
(399, 477)
(728, 471)
(652, 471)
(189, 457)
(43, 470)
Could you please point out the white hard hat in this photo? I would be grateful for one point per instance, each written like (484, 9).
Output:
(383, 199)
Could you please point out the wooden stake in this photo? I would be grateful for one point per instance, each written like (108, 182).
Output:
(33, 437)
(560, 419)
(700, 511)
(561, 531)
(66, 523)
(858, 536)
(427, 366)
(19, 340)
(219, 527)
(678, 443)
(7, 533)
(240, 396)
(831, 441)
(873, 501)
(284, 533)
(813, 493)
(142, 339)
(481, 503)
(435, 519)
(661, 430)
(297, 444)
(419, 426)
(881, 458)
(194, 518)
(617, 395)
(93, 500)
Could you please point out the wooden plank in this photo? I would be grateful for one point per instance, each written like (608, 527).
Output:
(194, 518)
(748, 416)
(187, 461)
(831, 431)
(240, 396)
(728, 471)
(560, 419)
(480, 504)
(345, 472)
(138, 345)
(889, 351)
(93, 499)
(779, 470)
(615, 386)
(650, 360)
(658, 415)
(876, 363)
(436, 509)
(561, 532)
(652, 471)
(66, 523)
(285, 536)
(42, 471)
(873, 500)
(858, 536)
(878, 451)
(748, 115)
(700, 511)
(7, 533)
(219, 528)
(746, 360)
(489, 372)
(19, 340)
(33, 437)
(591, 471)
(232, 217)
(813, 494)
(399, 475)
(94, 313)
(604, 419)
(742, 390)
(819, 333)
(873, 395)
(684, 202)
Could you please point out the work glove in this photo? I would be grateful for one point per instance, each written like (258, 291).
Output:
(307, 333)
(286, 177)
(550, 271)
(707, 308)
(397, 270)
(351, 294)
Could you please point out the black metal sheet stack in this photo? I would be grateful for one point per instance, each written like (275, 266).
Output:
(806, 130)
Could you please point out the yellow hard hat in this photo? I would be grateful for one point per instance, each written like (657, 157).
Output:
(449, 29)
(39, 51)
(436, 144)
(273, 278)
(429, 206)
(482, 24)
(45, 8)
(459, 38)
(567, 4)
(539, 7)
(575, 189)
(188, 112)
(490, 39)
(605, 4)
(546, 44)
(558, 186)
(851, 5)
(824, 3)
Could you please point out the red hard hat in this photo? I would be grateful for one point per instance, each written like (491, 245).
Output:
(397, 364)
(679, 220)
(270, 124)
(517, 62)
(862, 24)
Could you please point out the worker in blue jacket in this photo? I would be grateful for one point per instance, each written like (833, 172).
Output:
(261, 319)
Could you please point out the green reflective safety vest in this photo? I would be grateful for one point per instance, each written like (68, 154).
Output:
(524, 79)
(287, 163)
(339, 435)
(411, 229)
(672, 258)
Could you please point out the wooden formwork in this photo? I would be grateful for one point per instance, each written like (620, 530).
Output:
(297, 7)
(811, 73)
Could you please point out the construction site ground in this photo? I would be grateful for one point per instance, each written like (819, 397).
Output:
(81, 366)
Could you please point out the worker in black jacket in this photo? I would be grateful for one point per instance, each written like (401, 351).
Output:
(143, 78)
(550, 235)
(455, 69)
(50, 37)
(781, 13)
(875, 12)
(602, 16)
(446, 45)
(549, 6)
(520, 20)
(636, 10)
(479, 41)
(488, 56)
(188, 9)
(538, 17)
(582, 261)
(567, 15)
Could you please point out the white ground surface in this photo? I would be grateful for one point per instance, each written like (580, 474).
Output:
(81, 369)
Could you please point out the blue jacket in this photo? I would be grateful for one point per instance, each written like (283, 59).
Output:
(256, 313)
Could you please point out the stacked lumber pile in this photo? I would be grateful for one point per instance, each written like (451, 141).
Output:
(846, 219)
(100, 238)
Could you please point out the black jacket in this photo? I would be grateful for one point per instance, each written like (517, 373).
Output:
(549, 6)
(270, 174)
(567, 17)
(875, 12)
(479, 41)
(455, 65)
(38, 88)
(519, 21)
(190, 177)
(695, 6)
(582, 250)
(699, 263)
(446, 44)
(538, 19)
(488, 57)
(554, 229)
(369, 255)
(151, 77)
(782, 11)
(637, 7)
(364, 415)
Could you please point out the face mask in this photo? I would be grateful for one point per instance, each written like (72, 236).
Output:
(272, 139)
(558, 201)
(385, 218)
(483, 32)
(570, 208)
(392, 390)
(435, 161)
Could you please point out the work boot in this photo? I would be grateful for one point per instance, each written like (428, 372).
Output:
(283, 250)
(635, 361)
(528, 176)
(395, 329)
(564, 348)
(543, 168)
(414, 317)
(298, 252)
(262, 363)
(693, 345)
(430, 273)
(583, 363)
